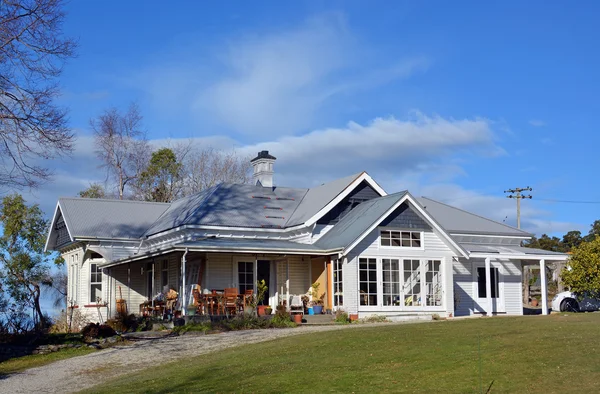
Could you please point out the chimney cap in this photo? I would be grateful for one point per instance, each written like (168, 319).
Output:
(264, 154)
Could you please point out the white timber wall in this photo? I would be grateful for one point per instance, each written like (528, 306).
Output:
(509, 283)
(434, 248)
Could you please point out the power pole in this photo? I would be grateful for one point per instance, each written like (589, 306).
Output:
(517, 194)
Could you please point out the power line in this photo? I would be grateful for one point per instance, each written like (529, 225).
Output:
(568, 201)
(518, 196)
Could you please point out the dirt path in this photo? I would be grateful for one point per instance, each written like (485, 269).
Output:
(78, 373)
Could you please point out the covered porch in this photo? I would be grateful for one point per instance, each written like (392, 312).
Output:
(143, 283)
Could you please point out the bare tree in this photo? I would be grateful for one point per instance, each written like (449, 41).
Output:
(121, 145)
(32, 53)
(204, 168)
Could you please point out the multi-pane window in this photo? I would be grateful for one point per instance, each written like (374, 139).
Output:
(95, 282)
(390, 270)
(481, 282)
(338, 293)
(245, 276)
(367, 268)
(403, 239)
(433, 283)
(412, 282)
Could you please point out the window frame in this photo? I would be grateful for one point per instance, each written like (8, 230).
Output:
(252, 272)
(400, 238)
(377, 282)
(338, 283)
(423, 293)
(95, 262)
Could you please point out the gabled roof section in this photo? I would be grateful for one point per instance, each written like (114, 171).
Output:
(321, 199)
(357, 221)
(100, 218)
(365, 217)
(457, 221)
(232, 205)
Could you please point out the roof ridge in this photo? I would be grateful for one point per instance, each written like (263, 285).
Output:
(476, 215)
(113, 200)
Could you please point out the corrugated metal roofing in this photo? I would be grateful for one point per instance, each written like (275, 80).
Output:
(251, 245)
(318, 197)
(479, 248)
(455, 220)
(232, 205)
(357, 221)
(90, 217)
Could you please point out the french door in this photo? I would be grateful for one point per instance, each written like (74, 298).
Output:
(400, 283)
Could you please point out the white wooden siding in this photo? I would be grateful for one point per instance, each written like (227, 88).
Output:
(463, 287)
(220, 271)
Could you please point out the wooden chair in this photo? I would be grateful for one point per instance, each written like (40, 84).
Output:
(230, 300)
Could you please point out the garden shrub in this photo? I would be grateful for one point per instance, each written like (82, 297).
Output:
(95, 330)
(341, 317)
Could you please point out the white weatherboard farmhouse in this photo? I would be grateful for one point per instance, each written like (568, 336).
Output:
(372, 252)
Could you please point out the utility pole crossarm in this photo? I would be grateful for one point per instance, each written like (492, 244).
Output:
(516, 194)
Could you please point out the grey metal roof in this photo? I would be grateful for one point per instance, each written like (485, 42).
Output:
(100, 218)
(232, 205)
(268, 245)
(318, 197)
(455, 220)
(497, 249)
(357, 221)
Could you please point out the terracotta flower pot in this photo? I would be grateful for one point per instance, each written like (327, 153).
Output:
(534, 302)
(261, 309)
(297, 318)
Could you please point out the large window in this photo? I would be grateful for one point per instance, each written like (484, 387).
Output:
(481, 282)
(390, 269)
(245, 276)
(401, 239)
(433, 283)
(412, 283)
(338, 292)
(95, 283)
(368, 280)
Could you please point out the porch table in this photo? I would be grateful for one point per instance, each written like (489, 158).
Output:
(215, 302)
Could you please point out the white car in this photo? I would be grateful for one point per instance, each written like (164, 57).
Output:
(570, 302)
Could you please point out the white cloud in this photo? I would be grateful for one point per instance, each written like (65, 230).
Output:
(275, 83)
(537, 123)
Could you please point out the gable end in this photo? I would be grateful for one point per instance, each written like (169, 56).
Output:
(405, 217)
(363, 192)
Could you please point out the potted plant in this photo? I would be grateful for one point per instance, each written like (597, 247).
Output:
(261, 290)
(268, 310)
(317, 302)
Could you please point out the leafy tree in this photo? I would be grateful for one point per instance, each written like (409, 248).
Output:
(572, 239)
(32, 53)
(546, 242)
(594, 231)
(160, 181)
(582, 273)
(94, 191)
(24, 268)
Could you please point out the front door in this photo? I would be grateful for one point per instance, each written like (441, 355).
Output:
(263, 272)
(480, 290)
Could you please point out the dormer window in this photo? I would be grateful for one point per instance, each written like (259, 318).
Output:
(401, 239)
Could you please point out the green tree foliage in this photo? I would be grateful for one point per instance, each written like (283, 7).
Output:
(24, 266)
(94, 191)
(160, 181)
(546, 242)
(582, 273)
(594, 231)
(572, 239)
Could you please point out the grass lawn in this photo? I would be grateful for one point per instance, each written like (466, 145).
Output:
(558, 353)
(37, 360)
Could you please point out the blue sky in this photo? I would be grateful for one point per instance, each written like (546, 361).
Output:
(457, 101)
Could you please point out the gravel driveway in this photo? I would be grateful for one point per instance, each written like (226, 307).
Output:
(77, 373)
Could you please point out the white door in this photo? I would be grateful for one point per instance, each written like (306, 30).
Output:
(480, 290)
